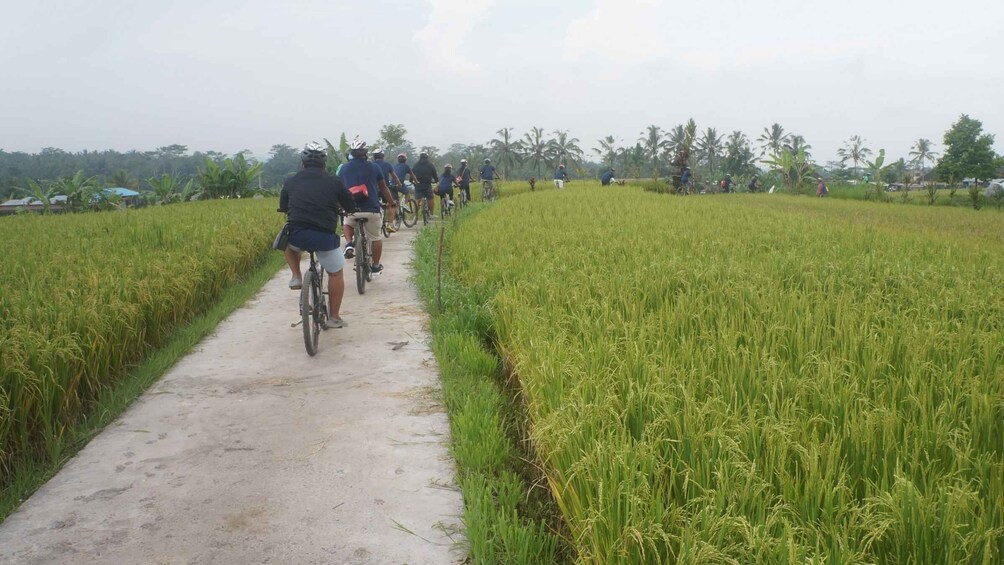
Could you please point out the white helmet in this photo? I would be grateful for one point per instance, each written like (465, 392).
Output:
(357, 146)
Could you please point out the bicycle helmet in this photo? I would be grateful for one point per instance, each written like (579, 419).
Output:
(463, 161)
(313, 155)
(488, 161)
(358, 148)
(448, 167)
(423, 155)
(378, 153)
(402, 157)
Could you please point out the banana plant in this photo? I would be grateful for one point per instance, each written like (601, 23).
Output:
(163, 188)
(41, 193)
(875, 170)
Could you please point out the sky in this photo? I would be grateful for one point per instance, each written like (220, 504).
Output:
(228, 75)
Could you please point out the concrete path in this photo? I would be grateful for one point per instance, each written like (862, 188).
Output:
(249, 451)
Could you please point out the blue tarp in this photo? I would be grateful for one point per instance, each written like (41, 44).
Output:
(121, 191)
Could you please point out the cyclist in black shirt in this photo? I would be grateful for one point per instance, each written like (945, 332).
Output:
(425, 173)
(312, 201)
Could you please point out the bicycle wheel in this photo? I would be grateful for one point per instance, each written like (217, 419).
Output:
(425, 211)
(307, 314)
(409, 213)
(360, 245)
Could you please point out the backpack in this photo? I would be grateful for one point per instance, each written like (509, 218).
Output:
(360, 193)
(723, 185)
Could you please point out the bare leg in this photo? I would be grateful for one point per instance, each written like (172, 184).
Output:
(377, 251)
(347, 232)
(336, 289)
(293, 260)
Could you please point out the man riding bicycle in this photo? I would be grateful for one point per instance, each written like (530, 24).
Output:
(393, 182)
(312, 201)
(445, 188)
(608, 178)
(366, 183)
(488, 177)
(425, 175)
(464, 174)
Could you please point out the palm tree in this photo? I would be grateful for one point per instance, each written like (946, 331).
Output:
(607, 150)
(710, 147)
(920, 153)
(854, 150)
(564, 150)
(506, 150)
(535, 148)
(772, 140)
(796, 143)
(655, 144)
(738, 154)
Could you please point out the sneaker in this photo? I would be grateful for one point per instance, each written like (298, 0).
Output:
(295, 283)
(376, 269)
(350, 252)
(335, 323)
(391, 228)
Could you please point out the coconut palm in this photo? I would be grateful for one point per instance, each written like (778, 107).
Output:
(506, 150)
(709, 145)
(921, 152)
(854, 150)
(563, 149)
(655, 144)
(796, 144)
(772, 140)
(739, 158)
(535, 149)
(607, 151)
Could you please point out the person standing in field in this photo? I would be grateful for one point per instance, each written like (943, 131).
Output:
(464, 178)
(821, 189)
(488, 177)
(608, 178)
(366, 183)
(313, 200)
(560, 176)
(425, 174)
(752, 186)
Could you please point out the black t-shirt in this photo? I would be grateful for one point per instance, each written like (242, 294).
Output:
(313, 199)
(425, 172)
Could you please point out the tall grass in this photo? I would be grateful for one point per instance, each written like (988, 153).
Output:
(85, 297)
(754, 379)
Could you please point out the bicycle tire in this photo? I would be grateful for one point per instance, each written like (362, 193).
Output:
(425, 211)
(409, 204)
(360, 245)
(307, 315)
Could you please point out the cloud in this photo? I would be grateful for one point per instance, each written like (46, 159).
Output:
(628, 31)
(442, 38)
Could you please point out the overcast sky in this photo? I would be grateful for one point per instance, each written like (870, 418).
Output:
(227, 75)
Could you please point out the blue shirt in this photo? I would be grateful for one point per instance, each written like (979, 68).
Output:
(402, 170)
(487, 172)
(445, 183)
(560, 174)
(607, 177)
(385, 169)
(361, 172)
(465, 177)
(685, 178)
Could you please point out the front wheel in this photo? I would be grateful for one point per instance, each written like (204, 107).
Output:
(409, 213)
(360, 245)
(311, 329)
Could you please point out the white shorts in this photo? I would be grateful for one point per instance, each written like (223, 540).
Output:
(374, 221)
(559, 183)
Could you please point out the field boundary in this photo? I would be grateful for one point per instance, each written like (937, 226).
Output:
(509, 515)
(29, 475)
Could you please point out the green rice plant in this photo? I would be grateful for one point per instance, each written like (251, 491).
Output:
(86, 296)
(753, 380)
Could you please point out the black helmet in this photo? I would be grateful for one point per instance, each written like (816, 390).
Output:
(313, 155)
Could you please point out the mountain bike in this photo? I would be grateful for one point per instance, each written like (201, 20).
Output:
(407, 209)
(423, 205)
(313, 305)
(363, 251)
(445, 206)
(462, 198)
(487, 190)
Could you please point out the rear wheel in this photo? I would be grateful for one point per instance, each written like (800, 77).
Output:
(425, 211)
(307, 310)
(360, 245)
(409, 212)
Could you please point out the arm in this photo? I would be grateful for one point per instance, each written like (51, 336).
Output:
(388, 198)
(284, 200)
(397, 180)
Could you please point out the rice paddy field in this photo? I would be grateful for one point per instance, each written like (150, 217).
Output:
(84, 297)
(747, 378)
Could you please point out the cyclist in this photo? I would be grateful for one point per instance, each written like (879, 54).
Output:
(312, 201)
(393, 182)
(726, 184)
(425, 174)
(367, 184)
(752, 186)
(488, 177)
(560, 176)
(464, 178)
(685, 179)
(445, 188)
(404, 174)
(608, 178)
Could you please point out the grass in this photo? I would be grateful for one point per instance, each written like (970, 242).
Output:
(748, 379)
(92, 294)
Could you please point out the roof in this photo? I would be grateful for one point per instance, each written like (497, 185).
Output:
(121, 191)
(60, 199)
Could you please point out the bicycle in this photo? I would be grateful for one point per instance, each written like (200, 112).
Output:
(363, 251)
(313, 306)
(407, 210)
(487, 190)
(423, 204)
(445, 206)
(462, 198)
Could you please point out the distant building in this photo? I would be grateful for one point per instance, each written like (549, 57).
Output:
(31, 204)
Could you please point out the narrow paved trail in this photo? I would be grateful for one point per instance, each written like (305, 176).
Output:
(249, 451)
